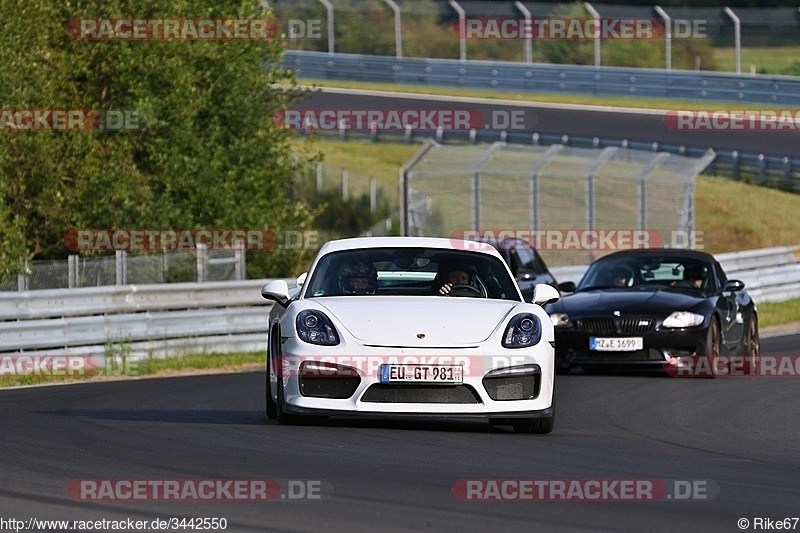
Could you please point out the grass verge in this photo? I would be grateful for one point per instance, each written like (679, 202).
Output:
(779, 313)
(132, 369)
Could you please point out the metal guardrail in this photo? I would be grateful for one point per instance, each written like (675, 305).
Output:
(167, 320)
(547, 78)
(138, 320)
(769, 274)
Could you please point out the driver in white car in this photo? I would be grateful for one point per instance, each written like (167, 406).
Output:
(359, 278)
(454, 277)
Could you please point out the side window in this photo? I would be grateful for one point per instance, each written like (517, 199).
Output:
(720, 274)
(527, 259)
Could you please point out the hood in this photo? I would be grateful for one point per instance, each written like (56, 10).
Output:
(603, 302)
(445, 322)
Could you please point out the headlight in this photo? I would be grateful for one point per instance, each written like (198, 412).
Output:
(316, 328)
(560, 320)
(683, 319)
(523, 331)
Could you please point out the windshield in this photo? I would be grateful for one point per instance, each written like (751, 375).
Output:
(643, 272)
(411, 272)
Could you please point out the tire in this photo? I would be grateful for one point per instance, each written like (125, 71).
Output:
(543, 426)
(272, 407)
(713, 346)
(283, 417)
(753, 347)
(538, 426)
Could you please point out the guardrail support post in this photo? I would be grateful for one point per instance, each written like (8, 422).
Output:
(345, 185)
(319, 178)
(373, 195)
(762, 169)
(735, 165)
(122, 267)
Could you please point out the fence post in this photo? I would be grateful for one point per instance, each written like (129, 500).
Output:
(202, 252)
(762, 169)
(121, 257)
(667, 34)
(319, 178)
(22, 277)
(345, 179)
(72, 268)
(787, 173)
(373, 195)
(239, 265)
(735, 165)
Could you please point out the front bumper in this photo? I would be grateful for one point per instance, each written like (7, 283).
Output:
(661, 348)
(472, 399)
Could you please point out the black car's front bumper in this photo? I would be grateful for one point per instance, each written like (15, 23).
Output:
(661, 347)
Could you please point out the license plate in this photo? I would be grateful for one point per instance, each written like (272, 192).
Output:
(616, 344)
(449, 374)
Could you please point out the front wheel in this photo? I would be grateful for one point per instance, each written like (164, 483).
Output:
(713, 343)
(753, 346)
(272, 407)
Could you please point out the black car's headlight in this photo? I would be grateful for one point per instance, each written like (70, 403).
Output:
(523, 331)
(683, 319)
(316, 328)
(560, 320)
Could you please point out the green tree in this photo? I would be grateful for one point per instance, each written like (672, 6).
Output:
(205, 154)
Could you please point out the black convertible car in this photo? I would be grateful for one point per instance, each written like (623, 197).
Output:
(672, 310)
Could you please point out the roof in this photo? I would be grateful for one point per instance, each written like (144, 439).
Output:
(407, 242)
(663, 252)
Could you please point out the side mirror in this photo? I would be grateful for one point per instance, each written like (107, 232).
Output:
(544, 294)
(302, 279)
(276, 290)
(567, 286)
(733, 285)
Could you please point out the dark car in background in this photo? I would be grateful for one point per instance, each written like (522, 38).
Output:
(525, 263)
(655, 309)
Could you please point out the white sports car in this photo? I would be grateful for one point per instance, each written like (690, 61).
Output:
(410, 326)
